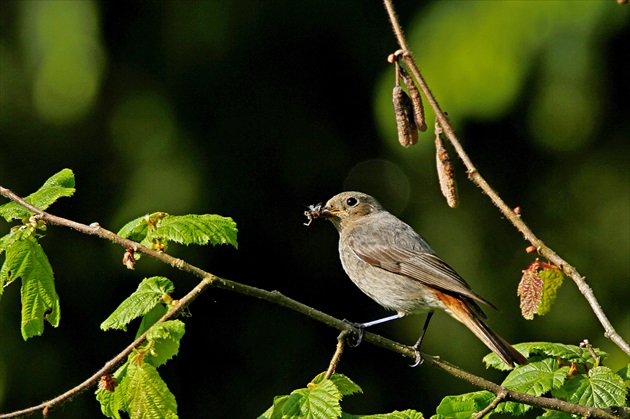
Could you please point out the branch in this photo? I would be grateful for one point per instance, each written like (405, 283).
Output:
(210, 280)
(508, 213)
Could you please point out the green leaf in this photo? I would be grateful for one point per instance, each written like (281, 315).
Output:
(624, 373)
(567, 353)
(552, 280)
(26, 260)
(57, 186)
(164, 340)
(320, 402)
(148, 295)
(406, 414)
(21, 233)
(138, 229)
(600, 388)
(275, 411)
(146, 394)
(149, 319)
(344, 384)
(464, 406)
(197, 229)
(535, 378)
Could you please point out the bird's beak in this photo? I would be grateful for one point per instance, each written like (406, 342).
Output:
(328, 212)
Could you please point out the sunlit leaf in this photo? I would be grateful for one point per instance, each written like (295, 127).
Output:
(164, 340)
(26, 260)
(530, 290)
(57, 186)
(146, 394)
(464, 406)
(148, 295)
(319, 402)
(600, 388)
(197, 229)
(552, 280)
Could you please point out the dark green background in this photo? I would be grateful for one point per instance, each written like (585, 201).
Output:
(254, 110)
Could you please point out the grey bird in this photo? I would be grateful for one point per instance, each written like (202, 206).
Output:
(397, 268)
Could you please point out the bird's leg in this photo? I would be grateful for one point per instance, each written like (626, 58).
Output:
(416, 346)
(361, 326)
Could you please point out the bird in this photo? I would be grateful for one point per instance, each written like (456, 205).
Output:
(392, 264)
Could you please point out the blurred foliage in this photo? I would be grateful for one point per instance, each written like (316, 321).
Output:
(253, 110)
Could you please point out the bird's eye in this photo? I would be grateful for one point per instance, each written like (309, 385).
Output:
(352, 202)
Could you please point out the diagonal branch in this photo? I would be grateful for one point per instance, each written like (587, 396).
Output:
(210, 280)
(508, 213)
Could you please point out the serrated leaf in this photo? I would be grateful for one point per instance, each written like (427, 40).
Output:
(552, 280)
(197, 229)
(26, 260)
(146, 394)
(138, 229)
(345, 385)
(148, 295)
(535, 378)
(600, 388)
(57, 186)
(568, 353)
(321, 402)
(464, 406)
(530, 290)
(164, 339)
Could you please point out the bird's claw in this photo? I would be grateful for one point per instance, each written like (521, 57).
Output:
(351, 340)
(419, 359)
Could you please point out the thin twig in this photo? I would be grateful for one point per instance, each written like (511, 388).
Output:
(477, 179)
(500, 397)
(341, 342)
(210, 280)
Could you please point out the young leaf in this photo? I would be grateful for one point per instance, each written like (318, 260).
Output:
(146, 394)
(464, 406)
(25, 259)
(552, 280)
(197, 229)
(138, 229)
(322, 401)
(164, 339)
(600, 388)
(57, 186)
(148, 295)
(530, 290)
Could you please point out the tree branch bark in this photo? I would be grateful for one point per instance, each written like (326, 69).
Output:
(210, 280)
(506, 211)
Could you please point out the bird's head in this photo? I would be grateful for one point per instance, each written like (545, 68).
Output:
(346, 208)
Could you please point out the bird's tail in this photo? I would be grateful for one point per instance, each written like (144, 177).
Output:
(460, 310)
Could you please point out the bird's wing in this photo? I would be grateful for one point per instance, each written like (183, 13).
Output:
(417, 264)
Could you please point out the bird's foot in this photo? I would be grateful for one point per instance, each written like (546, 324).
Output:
(418, 360)
(352, 340)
